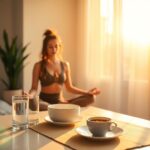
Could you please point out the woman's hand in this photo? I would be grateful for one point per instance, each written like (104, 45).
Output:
(27, 94)
(94, 91)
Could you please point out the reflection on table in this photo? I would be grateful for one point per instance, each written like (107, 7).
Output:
(136, 132)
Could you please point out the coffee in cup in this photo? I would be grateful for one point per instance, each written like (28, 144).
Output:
(99, 126)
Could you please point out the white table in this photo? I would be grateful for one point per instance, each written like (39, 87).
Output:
(31, 140)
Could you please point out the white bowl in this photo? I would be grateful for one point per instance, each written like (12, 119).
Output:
(63, 112)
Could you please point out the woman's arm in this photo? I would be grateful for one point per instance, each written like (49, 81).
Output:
(35, 79)
(73, 89)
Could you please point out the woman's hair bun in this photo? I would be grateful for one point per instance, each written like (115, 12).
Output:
(48, 32)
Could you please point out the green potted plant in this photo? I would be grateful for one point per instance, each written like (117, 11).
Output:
(13, 57)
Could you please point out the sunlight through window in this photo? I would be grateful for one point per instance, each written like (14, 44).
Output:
(136, 22)
(107, 14)
(135, 19)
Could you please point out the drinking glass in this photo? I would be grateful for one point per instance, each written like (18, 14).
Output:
(20, 110)
(34, 110)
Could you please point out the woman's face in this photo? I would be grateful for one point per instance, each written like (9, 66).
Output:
(52, 47)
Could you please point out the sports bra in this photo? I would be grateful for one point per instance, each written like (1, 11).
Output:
(48, 79)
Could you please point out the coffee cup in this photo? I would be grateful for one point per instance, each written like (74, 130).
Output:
(99, 126)
(63, 112)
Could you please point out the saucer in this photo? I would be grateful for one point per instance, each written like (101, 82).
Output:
(48, 119)
(84, 131)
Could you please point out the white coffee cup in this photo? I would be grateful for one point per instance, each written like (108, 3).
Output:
(63, 112)
(99, 126)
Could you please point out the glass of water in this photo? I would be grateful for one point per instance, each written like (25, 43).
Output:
(20, 110)
(34, 110)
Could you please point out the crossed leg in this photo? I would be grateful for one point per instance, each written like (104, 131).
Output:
(82, 101)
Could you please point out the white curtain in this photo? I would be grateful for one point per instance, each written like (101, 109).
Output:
(113, 53)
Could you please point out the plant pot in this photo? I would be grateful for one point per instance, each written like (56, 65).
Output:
(7, 95)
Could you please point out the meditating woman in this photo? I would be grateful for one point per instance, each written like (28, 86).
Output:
(53, 72)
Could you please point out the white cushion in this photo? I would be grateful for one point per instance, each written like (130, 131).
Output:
(5, 108)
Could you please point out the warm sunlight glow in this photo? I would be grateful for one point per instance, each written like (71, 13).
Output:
(107, 14)
(136, 22)
(135, 19)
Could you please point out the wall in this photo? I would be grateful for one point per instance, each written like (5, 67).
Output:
(39, 15)
(11, 21)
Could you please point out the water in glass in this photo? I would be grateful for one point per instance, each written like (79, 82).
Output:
(20, 111)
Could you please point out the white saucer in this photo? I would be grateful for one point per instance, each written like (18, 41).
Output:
(84, 131)
(48, 119)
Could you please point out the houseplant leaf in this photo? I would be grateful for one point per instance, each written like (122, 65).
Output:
(6, 41)
(13, 58)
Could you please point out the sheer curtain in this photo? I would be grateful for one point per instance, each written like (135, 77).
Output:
(113, 53)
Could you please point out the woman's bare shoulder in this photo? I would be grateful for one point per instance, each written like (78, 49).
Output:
(66, 64)
(37, 64)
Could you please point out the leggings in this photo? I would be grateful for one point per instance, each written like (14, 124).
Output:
(50, 98)
(82, 101)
